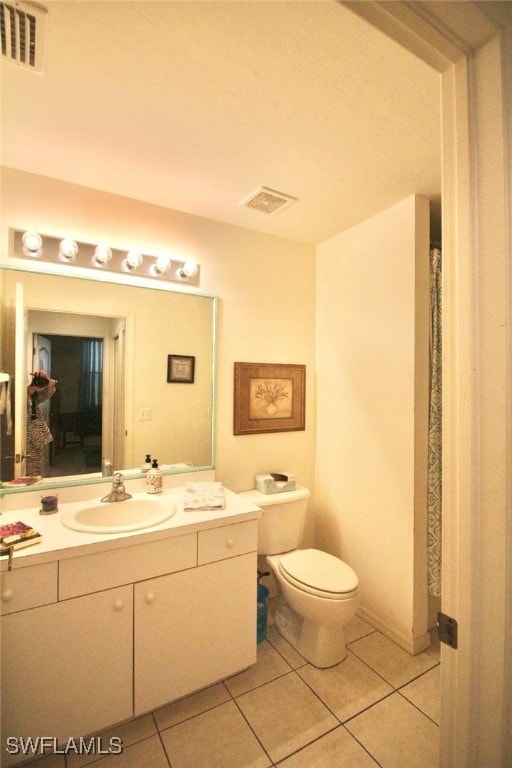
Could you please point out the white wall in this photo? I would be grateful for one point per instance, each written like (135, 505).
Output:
(372, 358)
(265, 285)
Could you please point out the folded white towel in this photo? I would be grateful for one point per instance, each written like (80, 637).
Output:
(203, 496)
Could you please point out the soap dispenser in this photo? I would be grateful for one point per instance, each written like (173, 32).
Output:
(154, 478)
(147, 463)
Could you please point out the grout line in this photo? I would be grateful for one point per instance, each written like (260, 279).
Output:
(417, 707)
(305, 746)
(252, 730)
(167, 756)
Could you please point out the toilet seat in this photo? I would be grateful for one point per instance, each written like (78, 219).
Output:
(319, 573)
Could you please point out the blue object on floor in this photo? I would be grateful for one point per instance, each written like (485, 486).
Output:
(261, 614)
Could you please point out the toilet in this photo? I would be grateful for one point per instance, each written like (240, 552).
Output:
(317, 593)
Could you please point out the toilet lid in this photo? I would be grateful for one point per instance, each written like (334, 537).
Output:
(318, 572)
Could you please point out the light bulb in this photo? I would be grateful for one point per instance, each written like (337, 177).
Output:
(102, 254)
(161, 265)
(133, 260)
(32, 244)
(189, 269)
(68, 249)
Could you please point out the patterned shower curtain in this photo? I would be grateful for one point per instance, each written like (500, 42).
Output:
(435, 427)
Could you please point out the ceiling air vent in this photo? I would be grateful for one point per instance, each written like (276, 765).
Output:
(23, 28)
(268, 201)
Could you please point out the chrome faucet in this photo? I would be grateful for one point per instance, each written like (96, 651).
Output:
(118, 492)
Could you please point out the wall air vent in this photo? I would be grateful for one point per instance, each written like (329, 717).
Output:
(23, 29)
(268, 201)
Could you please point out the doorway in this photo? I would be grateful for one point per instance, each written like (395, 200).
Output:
(87, 410)
(75, 416)
(470, 44)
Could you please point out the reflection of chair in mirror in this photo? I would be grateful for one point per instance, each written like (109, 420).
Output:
(69, 425)
(75, 427)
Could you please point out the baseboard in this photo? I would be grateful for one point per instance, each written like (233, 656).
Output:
(411, 645)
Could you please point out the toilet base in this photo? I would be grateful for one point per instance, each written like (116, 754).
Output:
(323, 646)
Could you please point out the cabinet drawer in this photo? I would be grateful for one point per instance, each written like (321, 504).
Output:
(103, 570)
(28, 587)
(227, 541)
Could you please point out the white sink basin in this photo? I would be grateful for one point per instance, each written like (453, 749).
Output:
(119, 516)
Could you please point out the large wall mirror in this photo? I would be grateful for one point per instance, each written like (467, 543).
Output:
(121, 392)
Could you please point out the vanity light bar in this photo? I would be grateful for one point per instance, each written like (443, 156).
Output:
(31, 245)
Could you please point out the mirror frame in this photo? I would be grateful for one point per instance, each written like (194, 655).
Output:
(58, 270)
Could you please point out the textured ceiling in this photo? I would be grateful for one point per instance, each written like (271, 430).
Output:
(195, 105)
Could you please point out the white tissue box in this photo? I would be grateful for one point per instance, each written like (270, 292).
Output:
(275, 482)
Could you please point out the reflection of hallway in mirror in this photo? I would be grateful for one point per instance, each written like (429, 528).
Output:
(76, 411)
(75, 460)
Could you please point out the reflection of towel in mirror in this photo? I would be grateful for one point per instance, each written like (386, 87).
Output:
(203, 496)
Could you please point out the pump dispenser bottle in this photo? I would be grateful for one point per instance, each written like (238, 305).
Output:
(147, 463)
(155, 478)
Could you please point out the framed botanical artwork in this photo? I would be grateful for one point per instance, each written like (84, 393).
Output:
(269, 397)
(180, 369)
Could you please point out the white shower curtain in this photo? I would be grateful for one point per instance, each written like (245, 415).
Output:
(435, 427)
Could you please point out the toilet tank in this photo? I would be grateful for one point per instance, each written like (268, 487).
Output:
(284, 516)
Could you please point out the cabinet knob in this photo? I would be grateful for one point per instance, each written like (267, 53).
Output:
(7, 595)
(150, 597)
(118, 605)
(230, 543)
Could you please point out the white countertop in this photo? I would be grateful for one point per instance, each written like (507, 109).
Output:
(59, 542)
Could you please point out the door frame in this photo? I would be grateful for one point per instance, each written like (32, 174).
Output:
(470, 45)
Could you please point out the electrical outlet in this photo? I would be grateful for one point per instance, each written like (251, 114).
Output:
(145, 414)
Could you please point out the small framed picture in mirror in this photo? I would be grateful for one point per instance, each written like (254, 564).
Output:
(180, 369)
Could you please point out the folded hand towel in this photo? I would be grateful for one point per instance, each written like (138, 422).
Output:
(203, 496)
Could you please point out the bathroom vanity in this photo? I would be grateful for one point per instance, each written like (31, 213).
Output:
(98, 629)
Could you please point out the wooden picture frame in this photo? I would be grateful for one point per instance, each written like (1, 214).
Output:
(180, 369)
(269, 397)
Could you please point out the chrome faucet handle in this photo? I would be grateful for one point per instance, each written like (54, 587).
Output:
(118, 492)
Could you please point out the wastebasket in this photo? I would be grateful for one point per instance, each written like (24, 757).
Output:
(261, 613)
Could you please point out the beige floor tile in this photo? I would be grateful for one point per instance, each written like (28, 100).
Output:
(219, 738)
(129, 733)
(356, 628)
(425, 693)
(283, 647)
(285, 715)
(191, 705)
(396, 734)
(347, 688)
(148, 752)
(337, 749)
(394, 664)
(50, 761)
(269, 665)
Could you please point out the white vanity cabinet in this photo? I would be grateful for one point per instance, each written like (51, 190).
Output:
(66, 667)
(193, 628)
(92, 640)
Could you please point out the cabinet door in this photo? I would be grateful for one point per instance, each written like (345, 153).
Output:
(193, 628)
(67, 667)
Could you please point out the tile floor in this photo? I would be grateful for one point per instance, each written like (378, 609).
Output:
(379, 707)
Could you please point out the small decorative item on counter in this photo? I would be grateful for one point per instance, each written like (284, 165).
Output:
(49, 505)
(107, 470)
(19, 481)
(17, 535)
(147, 463)
(155, 478)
